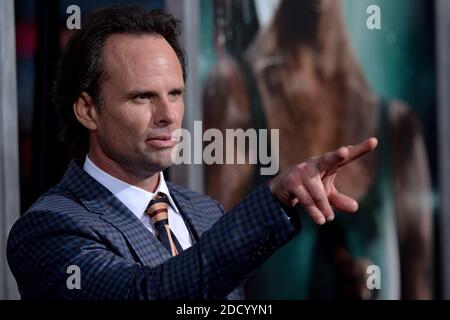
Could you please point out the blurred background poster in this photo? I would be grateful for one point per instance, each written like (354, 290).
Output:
(326, 74)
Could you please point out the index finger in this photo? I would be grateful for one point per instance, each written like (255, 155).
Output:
(332, 159)
(359, 150)
(354, 152)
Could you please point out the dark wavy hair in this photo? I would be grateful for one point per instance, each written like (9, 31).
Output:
(81, 68)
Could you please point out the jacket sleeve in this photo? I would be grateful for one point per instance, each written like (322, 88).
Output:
(218, 263)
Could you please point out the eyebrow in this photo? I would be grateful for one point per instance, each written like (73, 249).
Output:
(134, 93)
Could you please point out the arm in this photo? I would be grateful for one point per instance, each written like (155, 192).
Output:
(43, 244)
(413, 203)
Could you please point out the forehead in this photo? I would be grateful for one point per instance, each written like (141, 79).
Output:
(130, 58)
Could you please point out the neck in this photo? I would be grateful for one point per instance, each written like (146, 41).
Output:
(148, 182)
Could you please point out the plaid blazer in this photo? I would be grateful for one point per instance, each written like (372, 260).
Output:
(80, 223)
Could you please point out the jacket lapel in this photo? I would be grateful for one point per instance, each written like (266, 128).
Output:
(196, 222)
(143, 242)
(98, 199)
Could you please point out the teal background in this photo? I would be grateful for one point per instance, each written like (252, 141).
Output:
(398, 61)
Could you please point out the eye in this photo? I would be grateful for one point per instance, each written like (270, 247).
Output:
(175, 93)
(142, 97)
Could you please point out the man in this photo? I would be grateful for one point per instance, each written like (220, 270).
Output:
(120, 93)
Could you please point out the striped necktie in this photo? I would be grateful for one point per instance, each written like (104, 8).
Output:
(157, 210)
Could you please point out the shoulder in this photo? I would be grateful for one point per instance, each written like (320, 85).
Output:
(196, 198)
(226, 96)
(402, 116)
(54, 212)
(405, 129)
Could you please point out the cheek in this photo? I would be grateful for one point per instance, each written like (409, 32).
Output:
(180, 114)
(125, 126)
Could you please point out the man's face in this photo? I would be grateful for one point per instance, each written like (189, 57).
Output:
(142, 94)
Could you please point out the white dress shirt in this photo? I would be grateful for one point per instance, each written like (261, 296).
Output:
(137, 199)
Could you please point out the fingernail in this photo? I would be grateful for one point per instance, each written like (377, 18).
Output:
(322, 220)
(330, 218)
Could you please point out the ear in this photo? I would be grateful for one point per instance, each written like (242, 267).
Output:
(86, 112)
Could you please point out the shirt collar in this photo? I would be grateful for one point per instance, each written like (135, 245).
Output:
(134, 198)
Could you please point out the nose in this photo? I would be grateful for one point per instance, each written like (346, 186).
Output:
(164, 113)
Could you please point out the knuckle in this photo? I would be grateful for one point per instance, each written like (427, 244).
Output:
(303, 195)
(317, 198)
(289, 181)
(311, 162)
(302, 167)
(312, 167)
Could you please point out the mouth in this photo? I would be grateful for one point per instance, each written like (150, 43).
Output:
(162, 141)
